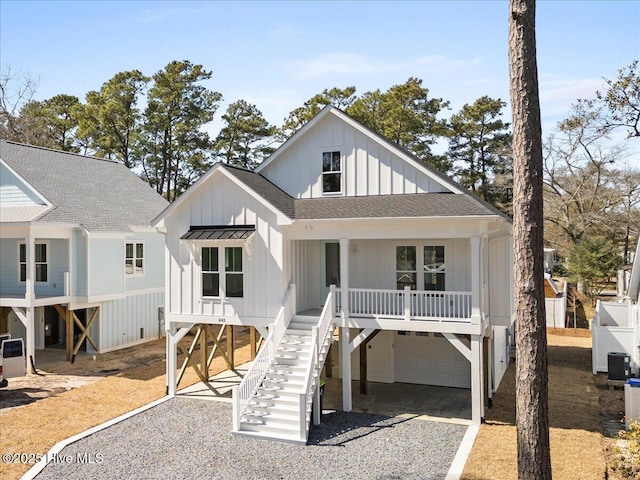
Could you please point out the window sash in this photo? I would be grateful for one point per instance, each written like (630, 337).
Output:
(42, 265)
(134, 258)
(434, 268)
(331, 172)
(406, 271)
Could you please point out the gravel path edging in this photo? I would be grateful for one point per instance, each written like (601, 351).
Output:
(57, 448)
(462, 455)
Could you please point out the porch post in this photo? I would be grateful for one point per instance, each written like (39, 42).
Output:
(477, 394)
(475, 280)
(344, 276)
(171, 359)
(30, 296)
(345, 364)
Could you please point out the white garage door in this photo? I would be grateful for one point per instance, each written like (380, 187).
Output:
(430, 360)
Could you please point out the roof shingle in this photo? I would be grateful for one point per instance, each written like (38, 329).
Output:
(99, 194)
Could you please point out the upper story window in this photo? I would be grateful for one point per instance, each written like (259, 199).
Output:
(42, 263)
(434, 268)
(331, 172)
(406, 271)
(134, 258)
(210, 272)
(222, 277)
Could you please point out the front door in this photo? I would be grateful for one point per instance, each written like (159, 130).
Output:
(330, 268)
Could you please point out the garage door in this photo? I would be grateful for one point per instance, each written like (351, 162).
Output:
(430, 359)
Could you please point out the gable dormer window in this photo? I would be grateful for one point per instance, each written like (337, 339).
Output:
(331, 172)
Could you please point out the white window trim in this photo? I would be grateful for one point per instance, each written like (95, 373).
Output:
(222, 273)
(420, 244)
(47, 263)
(341, 172)
(144, 253)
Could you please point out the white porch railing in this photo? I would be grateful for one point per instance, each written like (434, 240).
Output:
(319, 337)
(408, 304)
(254, 377)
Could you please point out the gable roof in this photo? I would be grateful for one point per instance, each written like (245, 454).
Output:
(99, 194)
(401, 152)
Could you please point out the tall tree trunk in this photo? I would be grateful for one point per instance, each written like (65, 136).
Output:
(532, 416)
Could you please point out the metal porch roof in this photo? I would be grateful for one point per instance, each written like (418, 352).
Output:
(219, 232)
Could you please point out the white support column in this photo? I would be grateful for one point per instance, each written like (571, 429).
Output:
(475, 280)
(477, 395)
(172, 359)
(345, 363)
(31, 338)
(344, 276)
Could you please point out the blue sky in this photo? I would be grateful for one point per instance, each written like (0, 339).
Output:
(278, 54)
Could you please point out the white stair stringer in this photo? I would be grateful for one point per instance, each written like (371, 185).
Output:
(274, 412)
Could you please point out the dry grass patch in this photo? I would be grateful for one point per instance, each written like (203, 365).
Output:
(575, 422)
(40, 425)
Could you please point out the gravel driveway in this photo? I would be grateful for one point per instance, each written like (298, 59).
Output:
(190, 438)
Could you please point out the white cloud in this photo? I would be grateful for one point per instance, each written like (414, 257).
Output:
(346, 63)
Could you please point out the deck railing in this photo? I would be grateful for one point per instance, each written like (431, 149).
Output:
(254, 377)
(407, 304)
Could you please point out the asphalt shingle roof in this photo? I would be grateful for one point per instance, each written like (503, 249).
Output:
(373, 206)
(99, 194)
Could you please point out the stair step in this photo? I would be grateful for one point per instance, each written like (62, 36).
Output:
(272, 419)
(271, 430)
(279, 368)
(310, 319)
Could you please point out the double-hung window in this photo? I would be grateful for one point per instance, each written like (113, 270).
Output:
(42, 262)
(229, 279)
(210, 272)
(434, 268)
(331, 172)
(406, 267)
(233, 271)
(134, 258)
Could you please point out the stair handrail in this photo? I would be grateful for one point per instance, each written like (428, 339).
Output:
(248, 387)
(319, 336)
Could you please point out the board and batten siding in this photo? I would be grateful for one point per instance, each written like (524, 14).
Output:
(500, 280)
(221, 202)
(153, 262)
(368, 168)
(106, 265)
(13, 191)
(372, 264)
(127, 321)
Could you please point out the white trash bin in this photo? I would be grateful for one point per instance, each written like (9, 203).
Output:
(631, 401)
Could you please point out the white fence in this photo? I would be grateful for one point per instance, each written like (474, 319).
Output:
(615, 328)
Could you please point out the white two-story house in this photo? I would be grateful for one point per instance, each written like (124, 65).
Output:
(341, 228)
(81, 269)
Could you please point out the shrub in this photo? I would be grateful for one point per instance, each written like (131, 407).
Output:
(628, 451)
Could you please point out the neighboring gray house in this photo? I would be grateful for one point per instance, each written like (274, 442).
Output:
(80, 266)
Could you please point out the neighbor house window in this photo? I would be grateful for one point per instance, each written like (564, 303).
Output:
(210, 272)
(42, 263)
(134, 258)
(234, 278)
(406, 267)
(331, 172)
(434, 268)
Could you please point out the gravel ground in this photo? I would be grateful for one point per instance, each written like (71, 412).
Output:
(190, 438)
